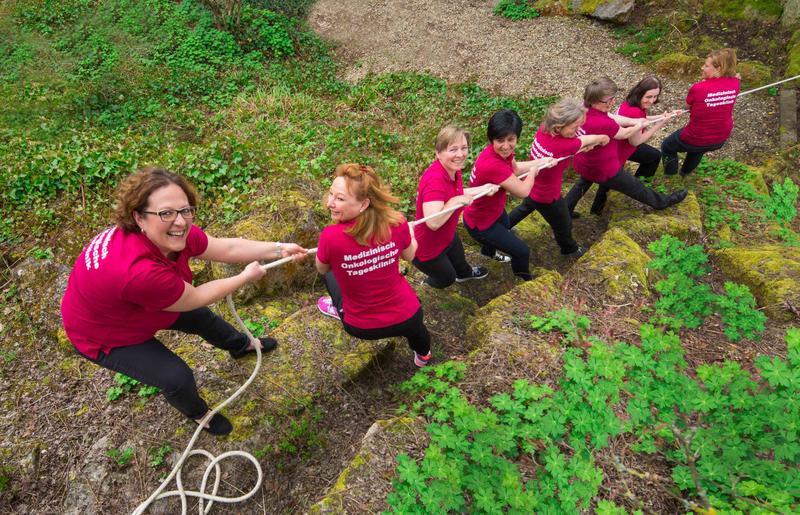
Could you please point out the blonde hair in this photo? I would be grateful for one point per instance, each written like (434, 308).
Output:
(449, 135)
(134, 193)
(725, 61)
(563, 113)
(597, 89)
(373, 225)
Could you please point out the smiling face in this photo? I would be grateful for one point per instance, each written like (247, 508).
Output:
(169, 237)
(343, 205)
(709, 70)
(649, 98)
(453, 157)
(505, 146)
(571, 130)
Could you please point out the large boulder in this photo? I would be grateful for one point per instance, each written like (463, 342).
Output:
(644, 225)
(41, 284)
(772, 272)
(679, 65)
(790, 17)
(617, 11)
(362, 487)
(615, 266)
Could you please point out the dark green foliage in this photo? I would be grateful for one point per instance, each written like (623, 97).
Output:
(125, 385)
(736, 433)
(641, 44)
(781, 207)
(730, 181)
(158, 455)
(572, 325)
(739, 314)
(45, 16)
(516, 9)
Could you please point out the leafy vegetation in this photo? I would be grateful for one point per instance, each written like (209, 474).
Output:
(125, 385)
(642, 44)
(122, 457)
(516, 9)
(158, 455)
(730, 438)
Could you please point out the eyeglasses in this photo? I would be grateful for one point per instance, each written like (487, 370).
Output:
(610, 100)
(169, 215)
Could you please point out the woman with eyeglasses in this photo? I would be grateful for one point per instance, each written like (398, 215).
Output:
(440, 254)
(601, 165)
(133, 279)
(640, 98)
(710, 104)
(359, 258)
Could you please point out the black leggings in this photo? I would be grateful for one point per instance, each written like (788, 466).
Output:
(155, 365)
(413, 329)
(648, 158)
(498, 236)
(673, 144)
(555, 213)
(443, 270)
(624, 183)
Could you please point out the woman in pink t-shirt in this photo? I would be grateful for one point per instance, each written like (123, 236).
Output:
(133, 280)
(710, 103)
(359, 257)
(440, 254)
(640, 98)
(556, 138)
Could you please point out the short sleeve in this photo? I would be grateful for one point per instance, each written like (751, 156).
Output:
(403, 235)
(610, 128)
(571, 146)
(153, 285)
(196, 241)
(690, 96)
(433, 191)
(322, 247)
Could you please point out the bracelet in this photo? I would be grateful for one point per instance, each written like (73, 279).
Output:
(279, 249)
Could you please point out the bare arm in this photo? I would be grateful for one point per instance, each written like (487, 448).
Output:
(590, 141)
(437, 206)
(239, 250)
(322, 268)
(627, 132)
(194, 297)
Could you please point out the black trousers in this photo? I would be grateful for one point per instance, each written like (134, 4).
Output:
(498, 236)
(673, 144)
(412, 329)
(444, 268)
(555, 213)
(154, 364)
(624, 183)
(648, 158)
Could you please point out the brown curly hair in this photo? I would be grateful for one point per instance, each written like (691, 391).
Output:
(134, 193)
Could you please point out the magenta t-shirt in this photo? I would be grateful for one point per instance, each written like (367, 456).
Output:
(710, 111)
(601, 163)
(119, 287)
(436, 184)
(374, 294)
(489, 168)
(624, 149)
(547, 188)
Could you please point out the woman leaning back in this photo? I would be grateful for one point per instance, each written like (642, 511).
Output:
(133, 279)
(440, 254)
(359, 257)
(557, 138)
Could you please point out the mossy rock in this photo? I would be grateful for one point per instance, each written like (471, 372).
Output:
(534, 229)
(683, 220)
(771, 272)
(314, 355)
(489, 325)
(363, 485)
(41, 285)
(617, 11)
(679, 65)
(553, 7)
(784, 164)
(793, 58)
(754, 73)
(763, 10)
(616, 266)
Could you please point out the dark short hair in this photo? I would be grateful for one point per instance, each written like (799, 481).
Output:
(502, 123)
(134, 193)
(636, 93)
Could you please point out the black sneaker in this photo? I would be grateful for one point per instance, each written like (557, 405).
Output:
(498, 257)
(575, 215)
(267, 344)
(576, 253)
(218, 425)
(478, 272)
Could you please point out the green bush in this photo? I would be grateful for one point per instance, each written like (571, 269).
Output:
(515, 9)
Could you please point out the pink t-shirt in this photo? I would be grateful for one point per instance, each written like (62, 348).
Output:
(374, 294)
(436, 184)
(710, 111)
(547, 187)
(489, 168)
(119, 287)
(601, 163)
(624, 149)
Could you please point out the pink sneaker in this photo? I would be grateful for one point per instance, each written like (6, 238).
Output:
(421, 361)
(325, 305)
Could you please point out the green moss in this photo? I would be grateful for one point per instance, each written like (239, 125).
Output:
(754, 73)
(615, 265)
(679, 65)
(793, 66)
(772, 272)
(683, 220)
(767, 10)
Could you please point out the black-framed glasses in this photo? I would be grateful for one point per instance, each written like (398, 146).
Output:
(610, 100)
(169, 215)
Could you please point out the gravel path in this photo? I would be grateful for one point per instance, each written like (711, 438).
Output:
(461, 40)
